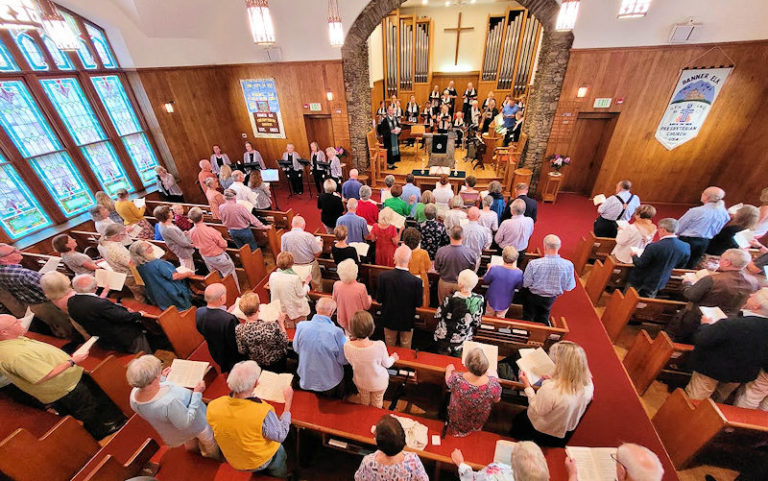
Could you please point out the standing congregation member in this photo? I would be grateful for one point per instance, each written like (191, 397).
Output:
(638, 234)
(389, 129)
(330, 205)
(399, 294)
(304, 247)
(527, 463)
(418, 208)
(242, 191)
(295, 169)
(754, 394)
(545, 279)
(177, 241)
(700, 224)
(340, 249)
(218, 159)
(133, 216)
(477, 237)
(319, 344)
(286, 286)
(350, 296)
(396, 203)
(335, 166)
(246, 428)
(181, 221)
(517, 230)
(206, 172)
(386, 191)
(369, 360)
(654, 266)
(101, 218)
(531, 207)
(319, 165)
(58, 290)
(495, 191)
(620, 206)
(450, 260)
(77, 262)
(390, 462)
(456, 215)
(112, 249)
(265, 342)
(433, 234)
(459, 315)
(411, 193)
(351, 188)
(762, 224)
(633, 463)
(420, 263)
(554, 410)
(167, 186)
(225, 177)
(489, 218)
(261, 189)
(502, 282)
(162, 284)
(252, 156)
(51, 376)
(366, 208)
(215, 199)
(746, 218)
(212, 246)
(175, 412)
(103, 199)
(386, 238)
(217, 326)
(357, 227)
(238, 220)
(473, 394)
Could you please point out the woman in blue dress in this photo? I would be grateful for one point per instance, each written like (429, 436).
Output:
(164, 286)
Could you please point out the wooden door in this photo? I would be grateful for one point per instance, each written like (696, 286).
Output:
(592, 134)
(319, 129)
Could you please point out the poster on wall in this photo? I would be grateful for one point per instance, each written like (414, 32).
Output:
(263, 108)
(691, 102)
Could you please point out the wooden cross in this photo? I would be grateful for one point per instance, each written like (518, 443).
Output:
(458, 31)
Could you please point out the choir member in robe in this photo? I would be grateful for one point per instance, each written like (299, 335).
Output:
(469, 96)
(434, 100)
(412, 110)
(453, 94)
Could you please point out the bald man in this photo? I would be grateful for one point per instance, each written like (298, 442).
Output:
(218, 327)
(53, 377)
(351, 188)
(700, 224)
(476, 236)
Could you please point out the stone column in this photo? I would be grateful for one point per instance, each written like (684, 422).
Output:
(358, 92)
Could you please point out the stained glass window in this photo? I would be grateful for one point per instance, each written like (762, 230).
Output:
(61, 59)
(63, 182)
(105, 163)
(20, 213)
(86, 58)
(102, 46)
(114, 98)
(142, 155)
(31, 52)
(6, 61)
(23, 121)
(73, 108)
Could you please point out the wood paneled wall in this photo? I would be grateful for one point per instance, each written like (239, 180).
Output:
(730, 150)
(209, 108)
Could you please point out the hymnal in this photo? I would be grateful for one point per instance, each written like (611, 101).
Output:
(26, 321)
(246, 204)
(361, 248)
(743, 238)
(271, 385)
(187, 373)
(491, 352)
(636, 251)
(157, 252)
(385, 194)
(111, 280)
(86, 346)
(536, 364)
(594, 464)
(270, 312)
(503, 452)
(104, 265)
(714, 313)
(622, 224)
(398, 220)
(51, 265)
(735, 208)
(139, 203)
(304, 271)
(598, 199)
(184, 270)
(496, 261)
(439, 170)
(236, 310)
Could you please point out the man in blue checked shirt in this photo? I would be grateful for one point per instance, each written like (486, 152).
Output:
(545, 279)
(700, 224)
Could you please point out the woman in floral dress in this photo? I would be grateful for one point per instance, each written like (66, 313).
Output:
(459, 315)
(262, 341)
(472, 394)
(433, 235)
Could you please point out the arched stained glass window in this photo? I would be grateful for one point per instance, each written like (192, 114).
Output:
(64, 182)
(20, 214)
(86, 58)
(61, 58)
(31, 51)
(6, 60)
(102, 46)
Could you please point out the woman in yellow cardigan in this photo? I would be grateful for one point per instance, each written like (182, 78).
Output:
(420, 263)
(133, 216)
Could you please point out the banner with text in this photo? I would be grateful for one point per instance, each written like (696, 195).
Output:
(691, 102)
(263, 107)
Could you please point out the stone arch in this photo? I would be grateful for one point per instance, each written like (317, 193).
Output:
(542, 101)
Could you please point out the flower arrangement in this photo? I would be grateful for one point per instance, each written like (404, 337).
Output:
(557, 161)
(340, 152)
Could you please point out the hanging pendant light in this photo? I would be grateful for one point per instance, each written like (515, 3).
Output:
(260, 20)
(335, 29)
(634, 8)
(57, 28)
(19, 14)
(566, 19)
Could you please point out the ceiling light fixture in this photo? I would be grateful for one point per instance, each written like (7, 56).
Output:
(335, 29)
(57, 28)
(634, 8)
(260, 20)
(169, 106)
(582, 92)
(19, 14)
(566, 19)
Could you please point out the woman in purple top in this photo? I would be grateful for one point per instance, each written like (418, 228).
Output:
(502, 282)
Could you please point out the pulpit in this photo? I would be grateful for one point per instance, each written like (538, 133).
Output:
(491, 142)
(440, 149)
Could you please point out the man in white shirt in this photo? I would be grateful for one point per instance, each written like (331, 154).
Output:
(304, 247)
(243, 192)
(620, 206)
(517, 230)
(476, 236)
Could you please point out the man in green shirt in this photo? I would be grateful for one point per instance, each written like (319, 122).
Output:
(53, 377)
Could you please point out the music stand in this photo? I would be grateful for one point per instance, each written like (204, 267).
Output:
(286, 167)
(306, 163)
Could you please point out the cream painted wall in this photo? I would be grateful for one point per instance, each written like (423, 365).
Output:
(375, 56)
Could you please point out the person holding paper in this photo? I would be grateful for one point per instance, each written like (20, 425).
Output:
(473, 393)
(242, 191)
(304, 247)
(728, 289)
(357, 227)
(246, 428)
(459, 315)
(477, 237)
(443, 192)
(253, 156)
(133, 215)
(503, 281)
(350, 296)
(517, 230)
(211, 245)
(164, 286)
(420, 263)
(744, 221)
(450, 260)
(544, 280)
(330, 205)
(175, 412)
(730, 351)
(218, 327)
(488, 218)
(287, 287)
(527, 462)
(113, 249)
(238, 219)
(399, 294)
(386, 238)
(433, 233)
(366, 208)
(390, 461)
(397, 204)
(265, 342)
(53, 377)
(700, 224)
(386, 192)
(638, 234)
(340, 249)
(456, 215)
(654, 266)
(620, 206)
(633, 463)
(175, 239)
(77, 262)
(369, 360)
(554, 410)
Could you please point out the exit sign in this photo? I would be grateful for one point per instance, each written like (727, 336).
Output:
(602, 103)
(315, 107)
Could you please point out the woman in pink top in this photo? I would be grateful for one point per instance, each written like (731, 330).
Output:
(369, 360)
(350, 296)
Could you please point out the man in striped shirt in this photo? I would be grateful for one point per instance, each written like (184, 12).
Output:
(545, 279)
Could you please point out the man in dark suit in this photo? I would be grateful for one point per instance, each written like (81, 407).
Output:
(389, 129)
(654, 266)
(118, 328)
(399, 293)
(218, 327)
(531, 207)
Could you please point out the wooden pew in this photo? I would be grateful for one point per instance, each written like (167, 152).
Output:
(35, 262)
(659, 359)
(110, 376)
(591, 248)
(181, 330)
(694, 431)
(630, 307)
(56, 456)
(110, 469)
(229, 282)
(281, 219)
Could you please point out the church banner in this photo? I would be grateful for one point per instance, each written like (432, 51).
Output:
(691, 102)
(263, 107)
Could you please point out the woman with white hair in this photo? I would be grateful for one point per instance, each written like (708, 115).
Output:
(286, 286)
(386, 192)
(456, 215)
(554, 410)
(527, 463)
(57, 288)
(350, 296)
(459, 315)
(330, 205)
(163, 285)
(366, 208)
(176, 413)
(386, 238)
(473, 394)
(335, 166)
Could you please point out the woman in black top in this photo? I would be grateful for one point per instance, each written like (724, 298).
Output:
(341, 250)
(319, 166)
(745, 218)
(330, 205)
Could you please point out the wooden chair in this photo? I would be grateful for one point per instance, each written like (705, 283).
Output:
(110, 469)
(181, 330)
(56, 456)
(110, 376)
